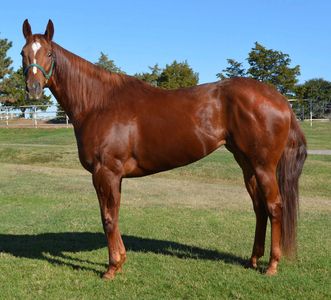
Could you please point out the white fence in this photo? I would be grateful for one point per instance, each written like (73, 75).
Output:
(42, 116)
(38, 116)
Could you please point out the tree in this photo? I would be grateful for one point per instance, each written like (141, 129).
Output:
(108, 64)
(177, 75)
(5, 69)
(316, 92)
(267, 65)
(273, 67)
(5, 61)
(235, 69)
(152, 77)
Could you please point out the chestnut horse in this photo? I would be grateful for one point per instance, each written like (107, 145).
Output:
(127, 128)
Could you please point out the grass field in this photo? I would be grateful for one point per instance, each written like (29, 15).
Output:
(188, 232)
(318, 135)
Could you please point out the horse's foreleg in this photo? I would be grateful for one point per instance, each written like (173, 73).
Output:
(107, 185)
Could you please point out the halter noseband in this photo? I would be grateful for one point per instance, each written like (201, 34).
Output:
(47, 75)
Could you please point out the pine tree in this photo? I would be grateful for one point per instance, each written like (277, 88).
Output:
(5, 69)
(235, 69)
(108, 64)
(151, 77)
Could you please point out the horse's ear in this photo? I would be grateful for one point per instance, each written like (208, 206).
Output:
(49, 30)
(26, 29)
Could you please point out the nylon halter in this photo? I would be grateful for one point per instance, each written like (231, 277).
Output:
(47, 75)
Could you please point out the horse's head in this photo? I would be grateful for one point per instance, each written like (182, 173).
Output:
(38, 59)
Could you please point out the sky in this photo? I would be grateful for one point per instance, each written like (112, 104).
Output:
(141, 33)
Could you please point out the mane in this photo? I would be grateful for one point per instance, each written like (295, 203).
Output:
(90, 85)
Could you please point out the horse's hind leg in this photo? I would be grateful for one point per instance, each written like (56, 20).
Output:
(108, 185)
(261, 220)
(259, 207)
(267, 182)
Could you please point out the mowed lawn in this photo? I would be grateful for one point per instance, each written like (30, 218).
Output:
(188, 232)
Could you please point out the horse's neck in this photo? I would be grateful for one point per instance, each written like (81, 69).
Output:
(77, 86)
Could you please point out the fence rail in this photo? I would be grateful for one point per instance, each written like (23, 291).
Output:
(45, 116)
(38, 116)
(308, 109)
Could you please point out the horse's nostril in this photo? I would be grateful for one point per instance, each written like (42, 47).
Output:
(36, 86)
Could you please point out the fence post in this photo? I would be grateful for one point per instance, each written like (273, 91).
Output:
(67, 121)
(311, 112)
(35, 117)
(7, 117)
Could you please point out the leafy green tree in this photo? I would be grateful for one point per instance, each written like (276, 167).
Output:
(235, 69)
(108, 64)
(177, 75)
(273, 67)
(267, 65)
(152, 77)
(315, 92)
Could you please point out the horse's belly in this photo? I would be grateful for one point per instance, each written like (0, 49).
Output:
(175, 150)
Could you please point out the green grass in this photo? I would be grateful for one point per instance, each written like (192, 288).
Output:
(318, 135)
(188, 232)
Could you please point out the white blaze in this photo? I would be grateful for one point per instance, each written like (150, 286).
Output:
(35, 47)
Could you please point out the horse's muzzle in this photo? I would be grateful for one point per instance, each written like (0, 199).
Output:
(34, 90)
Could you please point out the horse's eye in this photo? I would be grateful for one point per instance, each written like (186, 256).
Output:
(49, 54)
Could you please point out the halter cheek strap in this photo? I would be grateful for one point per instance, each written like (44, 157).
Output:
(47, 75)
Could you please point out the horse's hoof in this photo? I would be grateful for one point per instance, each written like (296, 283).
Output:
(251, 265)
(271, 271)
(109, 275)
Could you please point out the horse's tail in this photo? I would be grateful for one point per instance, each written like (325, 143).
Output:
(288, 172)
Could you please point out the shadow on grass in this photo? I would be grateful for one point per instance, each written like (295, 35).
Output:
(54, 248)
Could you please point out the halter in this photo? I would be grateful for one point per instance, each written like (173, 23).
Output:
(47, 75)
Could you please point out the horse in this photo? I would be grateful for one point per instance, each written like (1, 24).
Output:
(125, 127)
